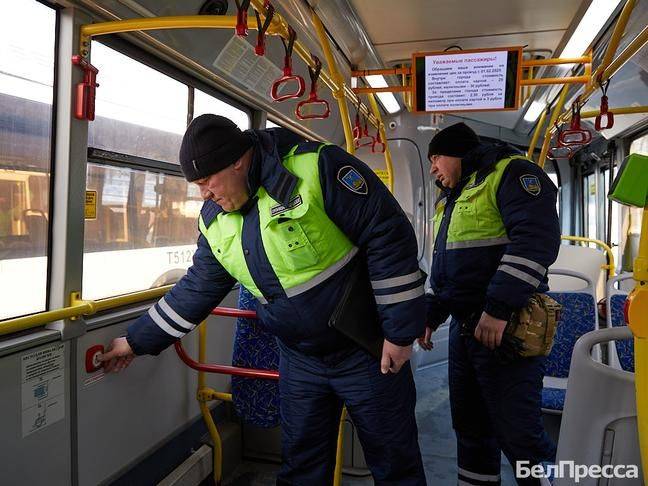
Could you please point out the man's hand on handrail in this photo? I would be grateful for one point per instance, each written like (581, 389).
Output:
(118, 356)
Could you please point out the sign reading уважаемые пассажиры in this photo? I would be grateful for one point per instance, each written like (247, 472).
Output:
(466, 81)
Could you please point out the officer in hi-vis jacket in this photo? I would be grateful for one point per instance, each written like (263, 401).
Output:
(291, 220)
(496, 233)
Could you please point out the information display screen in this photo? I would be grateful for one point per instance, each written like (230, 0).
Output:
(475, 80)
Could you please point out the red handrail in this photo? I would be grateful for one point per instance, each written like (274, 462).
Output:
(229, 312)
(225, 369)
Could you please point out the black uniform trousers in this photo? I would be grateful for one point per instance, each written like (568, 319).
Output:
(495, 408)
(312, 391)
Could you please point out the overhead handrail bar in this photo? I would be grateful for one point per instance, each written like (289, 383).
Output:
(628, 110)
(603, 71)
(277, 27)
(333, 79)
(610, 267)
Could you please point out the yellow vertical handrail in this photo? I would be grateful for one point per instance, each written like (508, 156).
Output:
(383, 136)
(638, 322)
(536, 134)
(610, 267)
(204, 408)
(617, 33)
(554, 116)
(602, 72)
(338, 92)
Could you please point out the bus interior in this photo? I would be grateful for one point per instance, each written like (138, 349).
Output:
(97, 221)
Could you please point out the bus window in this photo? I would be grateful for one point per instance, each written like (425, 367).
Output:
(144, 220)
(26, 93)
(589, 207)
(203, 103)
(271, 124)
(139, 111)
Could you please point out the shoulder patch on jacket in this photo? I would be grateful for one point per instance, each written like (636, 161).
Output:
(531, 184)
(352, 180)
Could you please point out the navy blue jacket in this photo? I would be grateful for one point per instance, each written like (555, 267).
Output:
(497, 279)
(371, 219)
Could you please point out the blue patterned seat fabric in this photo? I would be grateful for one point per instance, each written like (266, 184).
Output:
(553, 398)
(625, 348)
(256, 401)
(578, 318)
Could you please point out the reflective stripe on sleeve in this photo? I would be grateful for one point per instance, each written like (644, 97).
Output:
(526, 262)
(400, 296)
(175, 316)
(396, 281)
(520, 274)
(457, 245)
(162, 324)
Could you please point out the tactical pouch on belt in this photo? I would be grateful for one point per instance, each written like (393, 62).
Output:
(531, 330)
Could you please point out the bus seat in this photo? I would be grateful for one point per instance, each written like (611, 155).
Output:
(256, 401)
(579, 316)
(621, 352)
(599, 425)
(581, 259)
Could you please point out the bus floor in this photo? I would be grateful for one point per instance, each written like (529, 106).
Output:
(436, 437)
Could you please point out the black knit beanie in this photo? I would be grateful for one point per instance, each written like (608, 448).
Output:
(454, 141)
(211, 143)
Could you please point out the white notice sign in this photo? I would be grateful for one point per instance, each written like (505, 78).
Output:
(470, 81)
(43, 388)
(238, 62)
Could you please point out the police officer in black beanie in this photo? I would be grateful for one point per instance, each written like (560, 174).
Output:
(496, 234)
(296, 222)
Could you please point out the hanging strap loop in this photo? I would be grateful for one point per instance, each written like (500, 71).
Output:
(259, 50)
(287, 72)
(313, 100)
(365, 140)
(604, 114)
(378, 143)
(576, 135)
(357, 127)
(242, 17)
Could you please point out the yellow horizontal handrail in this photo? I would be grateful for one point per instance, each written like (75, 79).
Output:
(610, 267)
(609, 66)
(628, 110)
(278, 26)
(79, 307)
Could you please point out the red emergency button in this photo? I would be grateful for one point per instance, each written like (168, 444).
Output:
(92, 362)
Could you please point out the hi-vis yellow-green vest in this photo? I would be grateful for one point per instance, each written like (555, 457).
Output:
(303, 245)
(476, 219)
